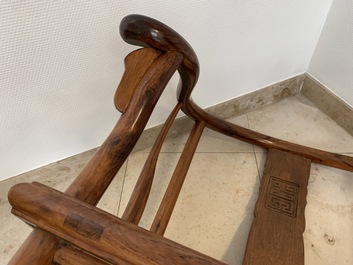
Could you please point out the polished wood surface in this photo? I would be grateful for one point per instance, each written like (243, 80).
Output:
(38, 249)
(169, 200)
(94, 179)
(136, 65)
(69, 229)
(139, 196)
(96, 231)
(68, 255)
(224, 127)
(276, 234)
(148, 32)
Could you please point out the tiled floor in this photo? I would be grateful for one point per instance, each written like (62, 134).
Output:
(215, 208)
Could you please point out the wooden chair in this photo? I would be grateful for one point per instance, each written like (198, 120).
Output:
(69, 229)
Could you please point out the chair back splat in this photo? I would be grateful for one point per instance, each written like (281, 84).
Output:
(69, 228)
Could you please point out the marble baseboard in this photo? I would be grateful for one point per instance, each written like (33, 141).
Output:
(328, 103)
(261, 97)
(214, 211)
(234, 107)
(318, 94)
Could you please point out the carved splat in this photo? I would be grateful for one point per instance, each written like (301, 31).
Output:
(276, 233)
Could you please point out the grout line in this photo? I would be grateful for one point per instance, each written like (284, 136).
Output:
(257, 166)
(253, 148)
(122, 186)
(327, 102)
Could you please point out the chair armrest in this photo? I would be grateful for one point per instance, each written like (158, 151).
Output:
(95, 231)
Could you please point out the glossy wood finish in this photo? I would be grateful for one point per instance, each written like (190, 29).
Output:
(134, 72)
(166, 207)
(148, 32)
(38, 249)
(315, 155)
(139, 196)
(276, 234)
(71, 221)
(94, 179)
(96, 231)
(68, 255)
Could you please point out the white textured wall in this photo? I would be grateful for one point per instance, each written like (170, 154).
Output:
(60, 62)
(332, 62)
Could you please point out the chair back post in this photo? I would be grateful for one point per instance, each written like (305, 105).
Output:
(148, 32)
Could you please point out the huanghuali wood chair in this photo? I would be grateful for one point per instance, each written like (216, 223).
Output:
(69, 229)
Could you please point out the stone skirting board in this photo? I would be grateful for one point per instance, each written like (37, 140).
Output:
(328, 103)
(318, 94)
(230, 108)
(261, 97)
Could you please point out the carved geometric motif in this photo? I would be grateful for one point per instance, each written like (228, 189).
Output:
(282, 196)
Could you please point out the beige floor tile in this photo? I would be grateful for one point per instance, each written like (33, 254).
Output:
(13, 231)
(210, 141)
(58, 175)
(213, 218)
(329, 211)
(215, 208)
(296, 119)
(260, 161)
(213, 142)
(329, 217)
(111, 199)
(214, 211)
(175, 140)
(328, 237)
(164, 171)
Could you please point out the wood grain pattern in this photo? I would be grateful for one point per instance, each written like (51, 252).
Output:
(315, 155)
(148, 32)
(94, 179)
(38, 249)
(48, 209)
(70, 220)
(68, 255)
(276, 234)
(139, 196)
(136, 65)
(166, 207)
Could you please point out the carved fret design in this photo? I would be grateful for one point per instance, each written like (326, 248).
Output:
(282, 196)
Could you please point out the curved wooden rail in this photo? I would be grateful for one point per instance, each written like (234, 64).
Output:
(315, 155)
(148, 32)
(139, 196)
(97, 232)
(148, 72)
(93, 180)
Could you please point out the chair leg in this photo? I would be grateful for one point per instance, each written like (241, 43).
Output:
(38, 249)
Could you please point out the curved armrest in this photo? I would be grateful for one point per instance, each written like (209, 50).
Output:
(148, 32)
